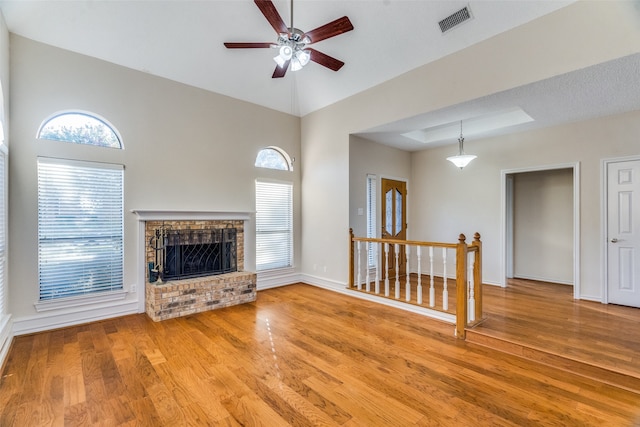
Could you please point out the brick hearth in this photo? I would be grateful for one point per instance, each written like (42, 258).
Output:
(189, 296)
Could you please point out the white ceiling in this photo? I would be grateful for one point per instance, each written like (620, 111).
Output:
(182, 40)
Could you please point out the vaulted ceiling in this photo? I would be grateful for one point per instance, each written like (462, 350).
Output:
(183, 41)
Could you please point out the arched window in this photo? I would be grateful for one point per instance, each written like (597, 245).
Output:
(80, 217)
(274, 158)
(80, 128)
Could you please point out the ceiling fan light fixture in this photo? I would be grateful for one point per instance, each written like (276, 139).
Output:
(292, 40)
(283, 56)
(300, 59)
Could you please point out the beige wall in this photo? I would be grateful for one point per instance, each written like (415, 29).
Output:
(366, 157)
(213, 139)
(543, 225)
(477, 204)
(580, 35)
(185, 149)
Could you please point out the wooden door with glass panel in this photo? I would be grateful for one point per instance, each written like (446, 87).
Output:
(394, 223)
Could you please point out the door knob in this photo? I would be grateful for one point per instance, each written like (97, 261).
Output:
(614, 240)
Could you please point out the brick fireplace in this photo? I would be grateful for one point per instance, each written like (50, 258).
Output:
(166, 299)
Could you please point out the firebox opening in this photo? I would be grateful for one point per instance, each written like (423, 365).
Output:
(194, 253)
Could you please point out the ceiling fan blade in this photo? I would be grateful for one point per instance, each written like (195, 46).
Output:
(324, 59)
(333, 28)
(271, 13)
(280, 71)
(241, 45)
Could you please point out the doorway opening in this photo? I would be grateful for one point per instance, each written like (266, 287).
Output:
(530, 236)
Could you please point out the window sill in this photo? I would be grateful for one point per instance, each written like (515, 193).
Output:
(72, 302)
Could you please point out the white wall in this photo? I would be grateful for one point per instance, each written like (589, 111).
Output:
(580, 35)
(543, 225)
(185, 149)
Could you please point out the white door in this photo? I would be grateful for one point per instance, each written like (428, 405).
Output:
(623, 229)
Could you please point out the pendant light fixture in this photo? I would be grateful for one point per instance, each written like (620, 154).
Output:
(461, 160)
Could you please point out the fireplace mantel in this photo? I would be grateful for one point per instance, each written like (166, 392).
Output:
(167, 215)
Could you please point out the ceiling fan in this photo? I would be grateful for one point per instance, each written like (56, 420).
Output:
(292, 43)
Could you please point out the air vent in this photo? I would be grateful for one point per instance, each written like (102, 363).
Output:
(455, 19)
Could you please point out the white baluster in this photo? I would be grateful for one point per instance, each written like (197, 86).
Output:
(408, 285)
(386, 269)
(432, 289)
(397, 264)
(377, 268)
(368, 283)
(445, 291)
(472, 299)
(359, 268)
(419, 253)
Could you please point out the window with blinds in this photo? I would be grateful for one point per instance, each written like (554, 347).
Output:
(80, 228)
(371, 216)
(3, 233)
(274, 225)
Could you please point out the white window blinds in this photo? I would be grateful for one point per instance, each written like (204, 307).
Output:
(371, 216)
(274, 225)
(80, 228)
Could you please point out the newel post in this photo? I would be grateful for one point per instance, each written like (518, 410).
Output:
(461, 287)
(477, 274)
(351, 254)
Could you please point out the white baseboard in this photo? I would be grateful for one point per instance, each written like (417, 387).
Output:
(6, 337)
(485, 282)
(63, 318)
(545, 279)
(276, 278)
(591, 298)
(324, 283)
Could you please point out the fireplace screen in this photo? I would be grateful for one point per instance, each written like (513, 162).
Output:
(194, 253)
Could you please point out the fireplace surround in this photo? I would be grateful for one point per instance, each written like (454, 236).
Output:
(180, 294)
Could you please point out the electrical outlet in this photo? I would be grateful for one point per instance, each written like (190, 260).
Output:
(133, 289)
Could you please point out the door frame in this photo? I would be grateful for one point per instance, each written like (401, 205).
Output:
(506, 235)
(604, 225)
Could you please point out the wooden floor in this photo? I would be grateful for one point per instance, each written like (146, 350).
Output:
(298, 356)
(543, 322)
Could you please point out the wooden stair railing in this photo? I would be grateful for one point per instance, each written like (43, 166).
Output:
(468, 279)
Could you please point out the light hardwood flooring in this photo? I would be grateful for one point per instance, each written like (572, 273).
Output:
(299, 356)
(543, 322)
